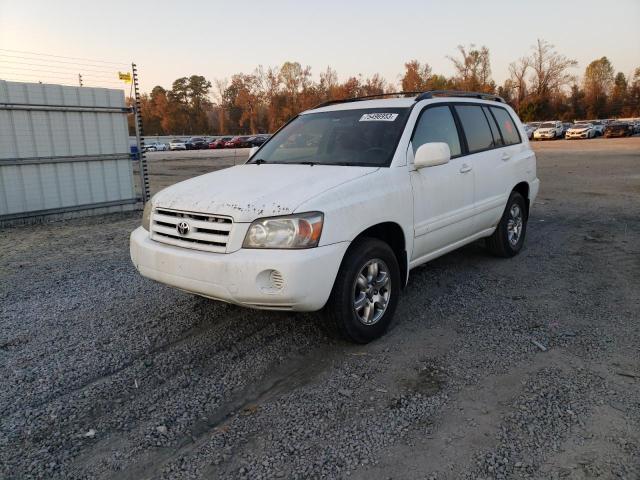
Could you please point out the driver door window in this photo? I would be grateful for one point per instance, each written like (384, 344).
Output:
(436, 124)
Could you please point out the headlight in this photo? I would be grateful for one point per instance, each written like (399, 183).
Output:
(146, 216)
(292, 231)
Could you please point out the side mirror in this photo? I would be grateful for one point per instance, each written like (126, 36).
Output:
(432, 154)
(253, 151)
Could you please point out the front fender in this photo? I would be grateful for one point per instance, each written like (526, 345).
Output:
(351, 208)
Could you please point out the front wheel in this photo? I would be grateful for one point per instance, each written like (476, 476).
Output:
(365, 293)
(508, 238)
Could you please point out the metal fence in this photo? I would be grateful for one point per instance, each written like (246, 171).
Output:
(64, 151)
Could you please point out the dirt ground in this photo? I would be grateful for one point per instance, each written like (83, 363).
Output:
(494, 368)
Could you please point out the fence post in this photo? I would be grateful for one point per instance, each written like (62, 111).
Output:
(144, 171)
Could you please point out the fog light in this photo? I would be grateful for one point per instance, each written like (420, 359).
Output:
(270, 281)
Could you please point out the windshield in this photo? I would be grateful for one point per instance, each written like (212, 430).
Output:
(548, 125)
(365, 137)
(582, 125)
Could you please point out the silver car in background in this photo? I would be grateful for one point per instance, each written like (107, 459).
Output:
(177, 144)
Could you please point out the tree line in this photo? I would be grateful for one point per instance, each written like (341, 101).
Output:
(542, 85)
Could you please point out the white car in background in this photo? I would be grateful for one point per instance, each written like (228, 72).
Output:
(337, 221)
(549, 131)
(155, 147)
(580, 130)
(177, 144)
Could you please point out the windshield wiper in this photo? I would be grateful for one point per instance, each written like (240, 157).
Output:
(306, 163)
(259, 161)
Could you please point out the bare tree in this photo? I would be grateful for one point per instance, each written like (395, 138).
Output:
(221, 85)
(550, 69)
(518, 76)
(268, 84)
(329, 83)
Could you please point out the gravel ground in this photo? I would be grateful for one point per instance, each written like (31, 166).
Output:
(520, 368)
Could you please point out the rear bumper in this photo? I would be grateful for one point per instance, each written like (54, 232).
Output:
(243, 277)
(534, 187)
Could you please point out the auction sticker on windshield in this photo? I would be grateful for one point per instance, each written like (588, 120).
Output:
(378, 117)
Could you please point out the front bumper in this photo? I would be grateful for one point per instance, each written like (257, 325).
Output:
(243, 277)
(570, 135)
(544, 136)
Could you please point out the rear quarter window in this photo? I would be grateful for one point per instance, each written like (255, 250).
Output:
(497, 138)
(507, 126)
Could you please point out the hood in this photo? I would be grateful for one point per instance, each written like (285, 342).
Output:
(247, 192)
(580, 129)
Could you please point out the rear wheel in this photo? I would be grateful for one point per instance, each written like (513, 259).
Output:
(365, 293)
(508, 238)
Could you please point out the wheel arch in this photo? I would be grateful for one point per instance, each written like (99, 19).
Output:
(523, 189)
(392, 234)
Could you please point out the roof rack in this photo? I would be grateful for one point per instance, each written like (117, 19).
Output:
(459, 93)
(366, 97)
(419, 96)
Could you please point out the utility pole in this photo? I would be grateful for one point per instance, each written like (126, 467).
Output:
(144, 171)
(80, 79)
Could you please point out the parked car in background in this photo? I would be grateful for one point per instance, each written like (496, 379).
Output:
(566, 126)
(598, 127)
(618, 129)
(238, 142)
(549, 131)
(337, 224)
(219, 142)
(177, 144)
(258, 140)
(580, 130)
(529, 129)
(155, 147)
(196, 143)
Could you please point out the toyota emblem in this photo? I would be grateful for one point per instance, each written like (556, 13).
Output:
(183, 228)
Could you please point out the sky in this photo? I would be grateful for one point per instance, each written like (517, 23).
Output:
(168, 40)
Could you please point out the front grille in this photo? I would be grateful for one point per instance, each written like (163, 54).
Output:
(204, 232)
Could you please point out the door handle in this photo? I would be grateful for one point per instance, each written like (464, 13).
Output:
(505, 157)
(465, 168)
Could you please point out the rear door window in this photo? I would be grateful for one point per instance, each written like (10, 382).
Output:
(436, 124)
(497, 138)
(475, 126)
(507, 126)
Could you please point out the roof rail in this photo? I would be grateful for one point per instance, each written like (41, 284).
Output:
(419, 96)
(459, 93)
(366, 97)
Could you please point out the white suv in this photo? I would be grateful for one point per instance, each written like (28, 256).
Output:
(549, 131)
(341, 203)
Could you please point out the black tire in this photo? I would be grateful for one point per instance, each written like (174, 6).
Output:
(499, 242)
(340, 307)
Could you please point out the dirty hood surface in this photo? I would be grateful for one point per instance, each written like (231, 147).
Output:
(247, 192)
